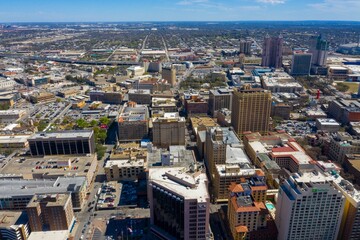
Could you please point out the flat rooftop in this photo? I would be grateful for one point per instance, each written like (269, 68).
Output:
(125, 163)
(236, 155)
(14, 138)
(225, 170)
(12, 112)
(176, 180)
(55, 165)
(54, 199)
(53, 235)
(327, 122)
(229, 136)
(63, 134)
(10, 218)
(10, 187)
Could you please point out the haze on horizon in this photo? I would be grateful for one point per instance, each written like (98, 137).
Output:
(177, 10)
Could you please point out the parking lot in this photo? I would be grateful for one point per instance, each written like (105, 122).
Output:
(108, 196)
(128, 194)
(297, 128)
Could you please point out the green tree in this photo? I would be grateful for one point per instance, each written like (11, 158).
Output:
(104, 120)
(81, 123)
(93, 123)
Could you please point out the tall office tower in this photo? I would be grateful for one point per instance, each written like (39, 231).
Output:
(251, 110)
(301, 64)
(169, 130)
(50, 212)
(169, 74)
(319, 49)
(272, 52)
(64, 142)
(245, 47)
(218, 99)
(179, 203)
(309, 207)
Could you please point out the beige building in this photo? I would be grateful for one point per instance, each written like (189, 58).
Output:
(117, 170)
(53, 212)
(164, 104)
(341, 144)
(169, 130)
(11, 116)
(133, 122)
(14, 225)
(251, 110)
(237, 173)
(169, 74)
(217, 147)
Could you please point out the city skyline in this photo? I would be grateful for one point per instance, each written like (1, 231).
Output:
(180, 10)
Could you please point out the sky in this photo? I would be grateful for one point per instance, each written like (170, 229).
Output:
(176, 10)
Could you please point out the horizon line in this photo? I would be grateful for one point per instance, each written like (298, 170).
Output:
(169, 21)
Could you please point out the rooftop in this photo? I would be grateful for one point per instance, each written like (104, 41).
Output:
(53, 235)
(52, 200)
(19, 187)
(10, 218)
(63, 134)
(55, 165)
(181, 183)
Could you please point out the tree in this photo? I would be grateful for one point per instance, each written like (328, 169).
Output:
(81, 123)
(93, 123)
(104, 120)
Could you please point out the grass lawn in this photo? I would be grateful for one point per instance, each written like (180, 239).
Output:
(353, 86)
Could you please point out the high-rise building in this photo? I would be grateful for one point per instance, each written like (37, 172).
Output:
(301, 64)
(169, 74)
(251, 110)
(50, 212)
(14, 225)
(216, 142)
(245, 47)
(218, 99)
(179, 203)
(62, 143)
(309, 207)
(319, 49)
(272, 52)
(168, 130)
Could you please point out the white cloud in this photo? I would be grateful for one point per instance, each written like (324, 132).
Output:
(191, 2)
(336, 5)
(272, 1)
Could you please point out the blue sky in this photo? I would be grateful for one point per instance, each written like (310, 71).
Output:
(177, 10)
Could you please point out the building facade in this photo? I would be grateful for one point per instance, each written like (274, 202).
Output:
(218, 99)
(62, 143)
(301, 64)
(272, 52)
(251, 110)
(50, 212)
(168, 130)
(179, 204)
(309, 207)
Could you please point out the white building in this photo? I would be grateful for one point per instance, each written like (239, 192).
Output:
(309, 207)
(179, 203)
(327, 124)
